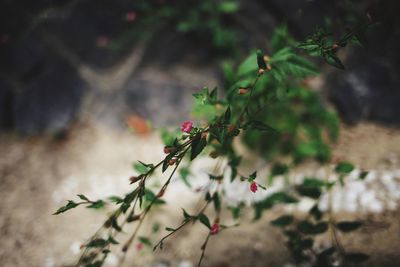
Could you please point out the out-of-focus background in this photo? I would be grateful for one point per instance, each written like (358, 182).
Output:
(85, 87)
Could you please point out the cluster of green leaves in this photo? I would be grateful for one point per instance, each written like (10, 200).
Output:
(303, 125)
(301, 233)
(322, 43)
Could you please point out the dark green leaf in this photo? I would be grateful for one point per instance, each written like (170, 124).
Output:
(204, 220)
(283, 221)
(309, 228)
(309, 191)
(112, 241)
(96, 205)
(217, 202)
(227, 116)
(97, 243)
(260, 60)
(344, 167)
(332, 59)
(145, 241)
(259, 125)
(198, 144)
(362, 175)
(83, 197)
(70, 205)
(315, 212)
(348, 226)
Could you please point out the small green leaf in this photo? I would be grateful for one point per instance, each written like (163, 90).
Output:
(363, 175)
(204, 220)
(332, 59)
(97, 243)
(227, 116)
(186, 215)
(283, 221)
(217, 202)
(315, 212)
(258, 125)
(83, 197)
(348, 226)
(169, 229)
(112, 241)
(308, 228)
(145, 241)
(344, 168)
(198, 144)
(96, 205)
(260, 60)
(70, 205)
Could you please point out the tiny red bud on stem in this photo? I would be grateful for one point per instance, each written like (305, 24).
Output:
(242, 91)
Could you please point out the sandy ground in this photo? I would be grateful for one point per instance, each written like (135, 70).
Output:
(39, 174)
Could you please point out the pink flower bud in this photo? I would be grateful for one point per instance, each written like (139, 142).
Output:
(187, 126)
(214, 229)
(130, 16)
(102, 41)
(139, 246)
(253, 187)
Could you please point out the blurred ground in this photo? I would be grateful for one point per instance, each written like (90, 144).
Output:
(39, 174)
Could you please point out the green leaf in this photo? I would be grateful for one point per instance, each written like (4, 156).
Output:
(145, 241)
(356, 257)
(141, 168)
(258, 125)
(249, 65)
(198, 144)
(332, 59)
(217, 202)
(96, 205)
(348, 226)
(283, 221)
(70, 205)
(204, 220)
(227, 116)
(344, 168)
(184, 174)
(363, 175)
(186, 215)
(270, 201)
(228, 6)
(309, 228)
(169, 229)
(97, 243)
(309, 191)
(112, 241)
(260, 60)
(167, 159)
(83, 197)
(315, 212)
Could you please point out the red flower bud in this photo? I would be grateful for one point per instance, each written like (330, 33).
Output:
(134, 179)
(139, 246)
(253, 187)
(130, 16)
(168, 149)
(214, 229)
(242, 91)
(171, 162)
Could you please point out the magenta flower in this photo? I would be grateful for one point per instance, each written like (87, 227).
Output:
(187, 126)
(214, 229)
(253, 187)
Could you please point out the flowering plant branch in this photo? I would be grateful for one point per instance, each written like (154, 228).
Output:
(292, 118)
